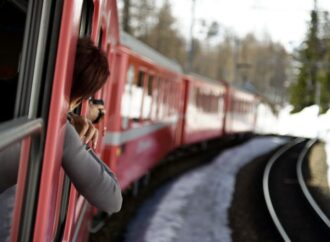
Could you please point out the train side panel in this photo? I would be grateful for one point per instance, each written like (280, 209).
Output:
(241, 114)
(144, 116)
(205, 111)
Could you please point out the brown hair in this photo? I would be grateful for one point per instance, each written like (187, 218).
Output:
(91, 70)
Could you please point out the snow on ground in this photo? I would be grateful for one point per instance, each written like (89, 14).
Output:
(194, 208)
(307, 123)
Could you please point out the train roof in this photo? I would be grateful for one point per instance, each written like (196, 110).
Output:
(247, 87)
(146, 51)
(206, 79)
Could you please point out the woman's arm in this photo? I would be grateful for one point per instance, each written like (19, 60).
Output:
(92, 178)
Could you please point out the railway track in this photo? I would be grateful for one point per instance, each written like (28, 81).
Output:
(293, 209)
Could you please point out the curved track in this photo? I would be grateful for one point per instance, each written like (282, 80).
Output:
(291, 206)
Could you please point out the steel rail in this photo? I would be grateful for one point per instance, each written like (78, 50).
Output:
(304, 187)
(265, 184)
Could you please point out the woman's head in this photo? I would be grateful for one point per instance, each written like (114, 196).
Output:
(91, 70)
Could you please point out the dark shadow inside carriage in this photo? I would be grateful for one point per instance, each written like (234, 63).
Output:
(12, 23)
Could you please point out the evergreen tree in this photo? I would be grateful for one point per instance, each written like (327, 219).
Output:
(325, 72)
(304, 90)
(164, 36)
(126, 16)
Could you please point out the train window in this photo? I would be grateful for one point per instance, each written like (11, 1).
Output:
(127, 97)
(197, 98)
(162, 99)
(140, 79)
(12, 24)
(99, 44)
(137, 97)
(9, 155)
(221, 102)
(155, 98)
(166, 98)
(147, 100)
(150, 79)
(173, 98)
(169, 94)
(86, 18)
(176, 102)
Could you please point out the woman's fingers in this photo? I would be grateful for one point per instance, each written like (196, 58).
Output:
(90, 132)
(95, 138)
(84, 128)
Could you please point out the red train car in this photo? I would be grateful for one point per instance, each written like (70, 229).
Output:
(205, 109)
(152, 108)
(241, 111)
(145, 108)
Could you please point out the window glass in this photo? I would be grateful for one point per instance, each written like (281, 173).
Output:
(9, 161)
(166, 98)
(86, 18)
(99, 44)
(137, 96)
(127, 97)
(12, 23)
(155, 98)
(147, 98)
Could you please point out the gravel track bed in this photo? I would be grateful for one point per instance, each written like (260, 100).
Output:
(316, 174)
(249, 217)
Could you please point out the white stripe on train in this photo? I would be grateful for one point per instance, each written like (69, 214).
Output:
(119, 138)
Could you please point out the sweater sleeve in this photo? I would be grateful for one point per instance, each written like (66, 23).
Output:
(92, 178)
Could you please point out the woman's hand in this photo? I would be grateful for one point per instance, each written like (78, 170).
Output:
(85, 128)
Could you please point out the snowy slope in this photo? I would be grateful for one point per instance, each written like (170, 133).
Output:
(306, 123)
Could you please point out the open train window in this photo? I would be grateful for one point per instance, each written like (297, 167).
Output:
(137, 97)
(150, 79)
(101, 36)
(132, 97)
(155, 98)
(164, 103)
(140, 79)
(86, 18)
(12, 24)
(171, 95)
(147, 99)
